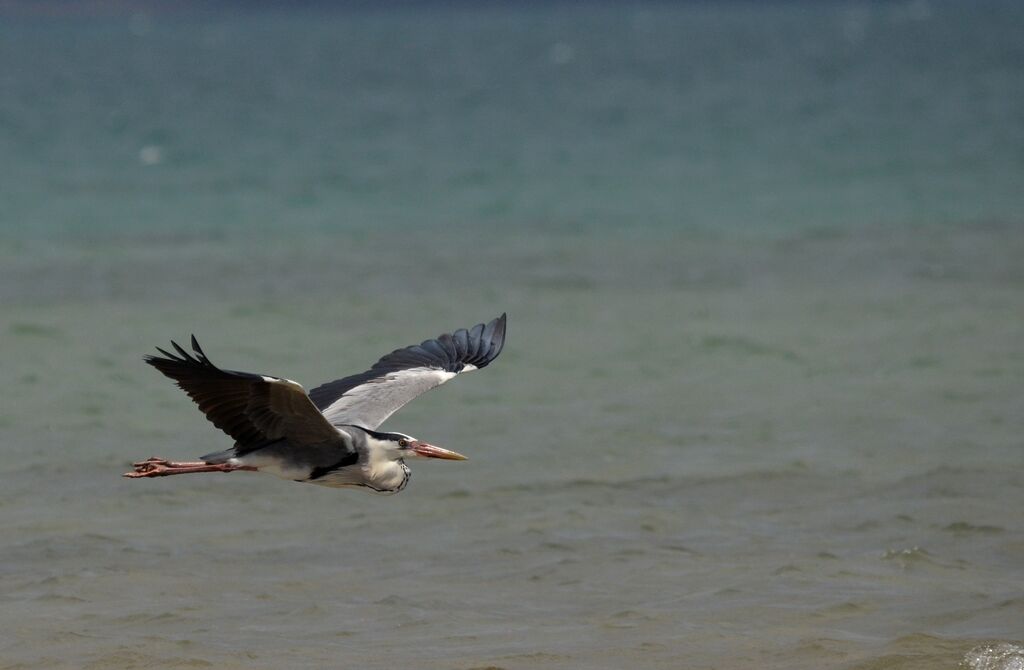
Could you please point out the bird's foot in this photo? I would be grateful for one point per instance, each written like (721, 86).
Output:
(161, 467)
(152, 467)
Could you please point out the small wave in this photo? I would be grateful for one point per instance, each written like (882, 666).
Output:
(964, 528)
(1001, 656)
(796, 472)
(914, 557)
(913, 554)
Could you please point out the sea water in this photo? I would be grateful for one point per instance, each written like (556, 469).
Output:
(762, 399)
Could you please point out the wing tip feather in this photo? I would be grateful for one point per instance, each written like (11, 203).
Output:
(490, 341)
(465, 349)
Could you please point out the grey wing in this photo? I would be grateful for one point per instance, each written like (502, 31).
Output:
(367, 399)
(253, 409)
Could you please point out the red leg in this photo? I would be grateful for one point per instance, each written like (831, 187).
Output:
(159, 467)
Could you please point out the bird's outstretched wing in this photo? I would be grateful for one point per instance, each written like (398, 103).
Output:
(369, 398)
(253, 409)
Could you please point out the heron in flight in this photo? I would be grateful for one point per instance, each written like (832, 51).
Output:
(328, 436)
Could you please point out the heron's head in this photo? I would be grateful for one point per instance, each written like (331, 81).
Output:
(400, 446)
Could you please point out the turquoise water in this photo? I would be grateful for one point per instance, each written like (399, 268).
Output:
(703, 116)
(762, 399)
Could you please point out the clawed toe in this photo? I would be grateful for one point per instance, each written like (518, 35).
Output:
(151, 467)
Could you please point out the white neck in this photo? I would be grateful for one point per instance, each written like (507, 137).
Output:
(382, 472)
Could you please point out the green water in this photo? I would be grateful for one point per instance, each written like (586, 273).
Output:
(761, 403)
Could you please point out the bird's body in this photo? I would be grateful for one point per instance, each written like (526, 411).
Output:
(354, 458)
(327, 437)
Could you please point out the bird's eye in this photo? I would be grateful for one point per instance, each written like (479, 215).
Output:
(403, 443)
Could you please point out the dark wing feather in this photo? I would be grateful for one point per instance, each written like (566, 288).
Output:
(253, 409)
(461, 340)
(367, 399)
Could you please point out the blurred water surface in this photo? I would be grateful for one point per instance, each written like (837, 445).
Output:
(761, 403)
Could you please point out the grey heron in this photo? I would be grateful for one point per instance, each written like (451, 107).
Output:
(328, 436)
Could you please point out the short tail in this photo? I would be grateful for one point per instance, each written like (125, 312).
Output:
(218, 457)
